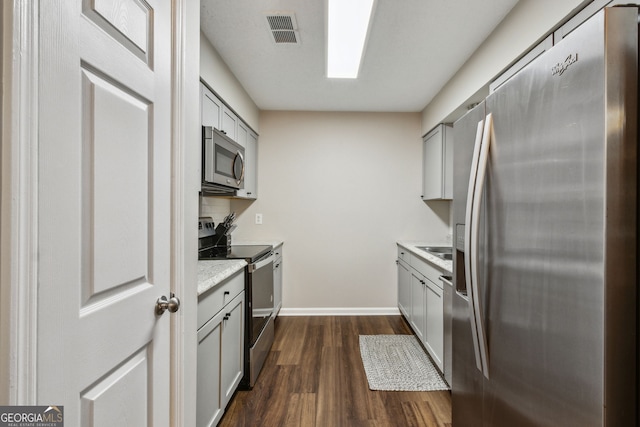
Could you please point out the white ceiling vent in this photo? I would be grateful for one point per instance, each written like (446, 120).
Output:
(283, 27)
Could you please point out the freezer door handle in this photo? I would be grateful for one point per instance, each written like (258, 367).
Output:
(467, 240)
(474, 203)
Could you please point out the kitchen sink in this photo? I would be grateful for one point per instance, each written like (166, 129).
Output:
(442, 252)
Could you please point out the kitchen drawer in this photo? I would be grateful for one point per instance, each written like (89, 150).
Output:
(403, 254)
(427, 269)
(212, 301)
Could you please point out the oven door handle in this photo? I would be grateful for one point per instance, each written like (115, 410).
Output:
(263, 262)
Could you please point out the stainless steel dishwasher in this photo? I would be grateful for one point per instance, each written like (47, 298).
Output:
(447, 286)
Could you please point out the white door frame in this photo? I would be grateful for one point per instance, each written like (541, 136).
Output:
(186, 187)
(19, 208)
(18, 203)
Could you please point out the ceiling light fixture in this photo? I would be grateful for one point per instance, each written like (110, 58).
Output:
(348, 24)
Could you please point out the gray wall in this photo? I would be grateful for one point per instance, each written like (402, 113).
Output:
(340, 189)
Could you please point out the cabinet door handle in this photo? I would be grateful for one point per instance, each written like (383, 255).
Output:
(226, 293)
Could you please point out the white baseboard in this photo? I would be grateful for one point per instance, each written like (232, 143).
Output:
(347, 311)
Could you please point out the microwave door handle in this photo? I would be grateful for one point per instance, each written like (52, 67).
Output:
(241, 158)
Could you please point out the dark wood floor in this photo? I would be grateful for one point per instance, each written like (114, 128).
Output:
(313, 376)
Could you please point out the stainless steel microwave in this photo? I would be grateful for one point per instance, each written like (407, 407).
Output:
(222, 161)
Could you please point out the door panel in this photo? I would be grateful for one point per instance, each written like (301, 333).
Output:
(116, 164)
(128, 22)
(104, 210)
(102, 403)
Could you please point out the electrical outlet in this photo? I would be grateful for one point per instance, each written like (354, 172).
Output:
(258, 218)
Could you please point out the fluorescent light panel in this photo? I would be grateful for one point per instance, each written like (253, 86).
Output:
(348, 23)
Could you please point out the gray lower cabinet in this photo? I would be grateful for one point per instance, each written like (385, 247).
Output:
(434, 330)
(277, 280)
(404, 289)
(208, 404)
(232, 351)
(418, 304)
(220, 348)
(420, 300)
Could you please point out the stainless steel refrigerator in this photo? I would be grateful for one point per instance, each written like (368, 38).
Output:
(545, 201)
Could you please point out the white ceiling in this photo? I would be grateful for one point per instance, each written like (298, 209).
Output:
(414, 47)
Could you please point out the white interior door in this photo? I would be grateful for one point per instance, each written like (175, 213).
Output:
(104, 206)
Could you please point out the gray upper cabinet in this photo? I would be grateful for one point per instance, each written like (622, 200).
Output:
(251, 173)
(210, 108)
(242, 133)
(249, 140)
(437, 163)
(214, 112)
(230, 124)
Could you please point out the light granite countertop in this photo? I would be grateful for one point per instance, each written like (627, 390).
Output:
(412, 246)
(213, 272)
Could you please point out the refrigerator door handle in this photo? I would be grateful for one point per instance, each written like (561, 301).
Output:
(483, 161)
(469, 279)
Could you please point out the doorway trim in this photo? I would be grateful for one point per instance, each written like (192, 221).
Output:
(18, 203)
(185, 188)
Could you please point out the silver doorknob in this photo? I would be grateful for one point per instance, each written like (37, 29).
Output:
(172, 304)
